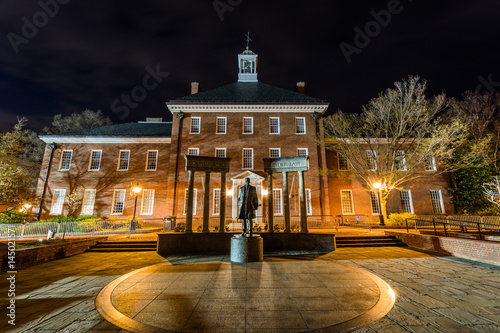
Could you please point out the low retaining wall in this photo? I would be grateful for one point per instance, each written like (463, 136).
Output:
(34, 255)
(169, 243)
(484, 251)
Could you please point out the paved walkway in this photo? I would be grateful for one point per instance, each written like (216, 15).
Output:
(434, 294)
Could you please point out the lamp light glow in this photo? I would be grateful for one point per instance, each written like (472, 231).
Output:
(377, 185)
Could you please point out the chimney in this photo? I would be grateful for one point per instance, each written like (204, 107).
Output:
(301, 87)
(195, 88)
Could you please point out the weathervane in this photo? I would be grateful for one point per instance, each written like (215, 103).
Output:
(248, 40)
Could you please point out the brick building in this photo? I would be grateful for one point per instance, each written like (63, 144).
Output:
(245, 121)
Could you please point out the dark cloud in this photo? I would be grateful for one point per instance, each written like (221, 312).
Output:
(93, 51)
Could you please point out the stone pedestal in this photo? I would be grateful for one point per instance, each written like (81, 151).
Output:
(247, 249)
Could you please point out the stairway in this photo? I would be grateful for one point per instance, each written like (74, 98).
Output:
(371, 241)
(130, 246)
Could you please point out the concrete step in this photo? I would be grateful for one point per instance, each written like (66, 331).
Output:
(124, 246)
(371, 241)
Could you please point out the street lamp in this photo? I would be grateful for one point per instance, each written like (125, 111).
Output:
(378, 186)
(135, 191)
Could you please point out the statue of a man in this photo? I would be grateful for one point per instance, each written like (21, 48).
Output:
(248, 202)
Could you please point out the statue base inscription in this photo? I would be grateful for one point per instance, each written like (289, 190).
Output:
(247, 249)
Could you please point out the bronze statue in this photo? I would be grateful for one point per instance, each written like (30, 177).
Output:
(248, 202)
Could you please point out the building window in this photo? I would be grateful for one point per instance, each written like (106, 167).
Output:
(400, 160)
(302, 152)
(247, 158)
(195, 125)
(216, 210)
(274, 152)
(152, 160)
(437, 202)
(194, 151)
(123, 160)
(308, 201)
(148, 198)
(274, 125)
(66, 160)
(343, 163)
(406, 203)
(57, 202)
(248, 125)
(346, 202)
(118, 202)
(300, 125)
(371, 158)
(95, 160)
(195, 194)
(88, 202)
(277, 202)
(375, 203)
(220, 152)
(221, 125)
(430, 164)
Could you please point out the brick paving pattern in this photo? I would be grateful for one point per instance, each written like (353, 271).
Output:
(434, 294)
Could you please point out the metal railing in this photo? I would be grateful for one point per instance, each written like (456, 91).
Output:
(455, 223)
(80, 228)
(313, 222)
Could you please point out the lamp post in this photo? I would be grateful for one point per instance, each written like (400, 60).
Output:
(135, 191)
(378, 186)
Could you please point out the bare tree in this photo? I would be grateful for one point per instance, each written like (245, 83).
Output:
(398, 135)
(492, 191)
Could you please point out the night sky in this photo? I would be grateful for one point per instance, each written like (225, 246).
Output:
(86, 54)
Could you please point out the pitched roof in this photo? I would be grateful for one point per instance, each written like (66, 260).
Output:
(249, 92)
(141, 129)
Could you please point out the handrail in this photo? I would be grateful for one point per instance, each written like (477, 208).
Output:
(446, 221)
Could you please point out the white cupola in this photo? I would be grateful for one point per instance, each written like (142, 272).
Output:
(247, 64)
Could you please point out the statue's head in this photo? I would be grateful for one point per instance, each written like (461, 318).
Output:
(247, 180)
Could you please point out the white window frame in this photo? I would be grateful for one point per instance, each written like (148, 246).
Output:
(251, 125)
(216, 202)
(120, 157)
(306, 149)
(217, 125)
(88, 207)
(348, 167)
(374, 203)
(371, 160)
(271, 126)
(432, 163)
(123, 192)
(410, 201)
(193, 149)
(144, 204)
(437, 202)
(344, 212)
(70, 151)
(243, 159)
(308, 201)
(193, 125)
(156, 160)
(98, 162)
(57, 204)
(275, 149)
(400, 160)
(297, 125)
(279, 201)
(195, 195)
(220, 149)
